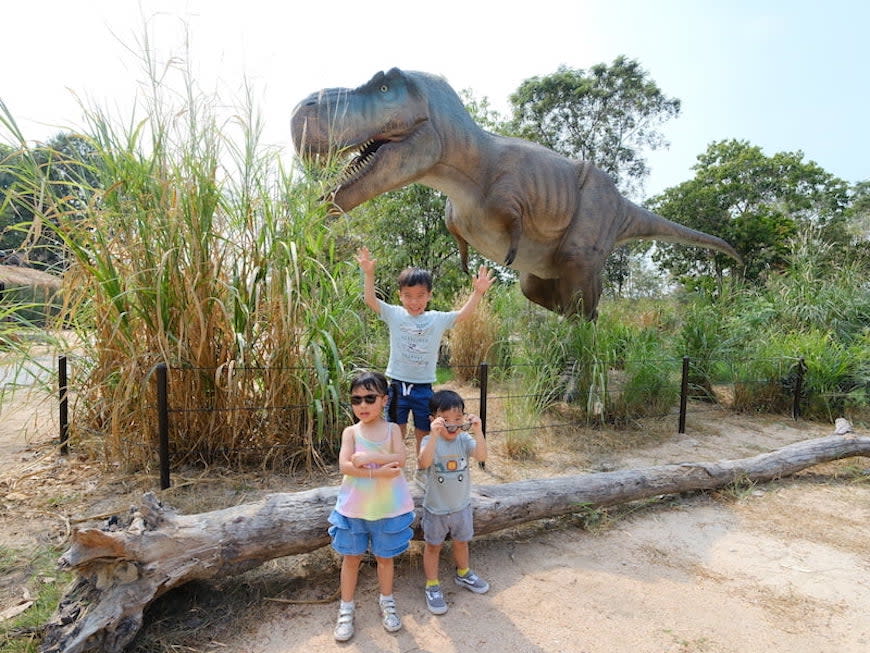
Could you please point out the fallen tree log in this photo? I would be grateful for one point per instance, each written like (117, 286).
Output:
(121, 571)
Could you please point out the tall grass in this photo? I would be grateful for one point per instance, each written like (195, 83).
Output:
(471, 341)
(198, 250)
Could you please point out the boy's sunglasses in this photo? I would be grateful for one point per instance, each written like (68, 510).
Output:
(356, 400)
(453, 428)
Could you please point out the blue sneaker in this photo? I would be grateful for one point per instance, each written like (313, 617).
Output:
(435, 600)
(472, 582)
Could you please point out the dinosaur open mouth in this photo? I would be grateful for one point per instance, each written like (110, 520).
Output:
(360, 162)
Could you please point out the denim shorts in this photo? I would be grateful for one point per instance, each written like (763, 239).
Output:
(459, 524)
(410, 397)
(385, 538)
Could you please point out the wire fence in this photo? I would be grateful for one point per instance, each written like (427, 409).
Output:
(607, 403)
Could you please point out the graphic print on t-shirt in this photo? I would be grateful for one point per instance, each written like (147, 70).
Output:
(413, 341)
(450, 466)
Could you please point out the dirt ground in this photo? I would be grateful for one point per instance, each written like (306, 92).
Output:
(783, 566)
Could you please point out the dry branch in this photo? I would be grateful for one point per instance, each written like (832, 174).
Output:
(120, 572)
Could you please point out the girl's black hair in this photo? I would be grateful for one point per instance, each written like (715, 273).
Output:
(374, 381)
(445, 400)
(415, 277)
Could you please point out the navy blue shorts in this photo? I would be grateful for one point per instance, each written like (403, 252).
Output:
(410, 397)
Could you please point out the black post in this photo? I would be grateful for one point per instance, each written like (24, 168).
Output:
(484, 389)
(684, 395)
(798, 389)
(62, 387)
(163, 424)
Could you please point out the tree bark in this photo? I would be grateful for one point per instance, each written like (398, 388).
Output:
(121, 571)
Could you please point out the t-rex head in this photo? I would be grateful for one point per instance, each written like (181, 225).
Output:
(382, 131)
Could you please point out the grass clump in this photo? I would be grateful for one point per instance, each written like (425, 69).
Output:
(33, 574)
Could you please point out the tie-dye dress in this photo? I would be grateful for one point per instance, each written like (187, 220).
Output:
(363, 500)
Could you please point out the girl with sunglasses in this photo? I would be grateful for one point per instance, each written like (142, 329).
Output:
(374, 509)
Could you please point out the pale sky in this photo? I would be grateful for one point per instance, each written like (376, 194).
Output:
(784, 76)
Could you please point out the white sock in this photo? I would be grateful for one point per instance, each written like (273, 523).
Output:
(346, 605)
(383, 598)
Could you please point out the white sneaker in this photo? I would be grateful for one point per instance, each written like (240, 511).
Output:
(344, 625)
(392, 623)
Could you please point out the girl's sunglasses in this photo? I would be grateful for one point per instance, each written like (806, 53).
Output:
(356, 400)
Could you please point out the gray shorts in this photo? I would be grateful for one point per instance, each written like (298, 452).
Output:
(459, 524)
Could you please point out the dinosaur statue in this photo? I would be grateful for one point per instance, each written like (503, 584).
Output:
(553, 219)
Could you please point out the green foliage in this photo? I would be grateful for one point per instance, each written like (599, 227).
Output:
(651, 383)
(613, 369)
(704, 337)
(757, 204)
(29, 178)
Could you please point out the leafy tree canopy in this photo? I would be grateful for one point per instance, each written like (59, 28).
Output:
(755, 202)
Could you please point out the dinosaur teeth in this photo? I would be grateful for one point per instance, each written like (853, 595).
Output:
(359, 162)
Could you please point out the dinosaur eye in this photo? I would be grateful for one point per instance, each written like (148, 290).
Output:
(384, 88)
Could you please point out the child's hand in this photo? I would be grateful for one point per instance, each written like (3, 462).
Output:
(476, 424)
(437, 427)
(360, 459)
(365, 260)
(483, 280)
(390, 470)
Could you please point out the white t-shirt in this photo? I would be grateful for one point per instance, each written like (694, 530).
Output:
(414, 342)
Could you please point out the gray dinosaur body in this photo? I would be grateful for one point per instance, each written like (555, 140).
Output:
(553, 219)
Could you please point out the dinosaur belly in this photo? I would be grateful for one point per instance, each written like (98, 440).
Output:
(532, 257)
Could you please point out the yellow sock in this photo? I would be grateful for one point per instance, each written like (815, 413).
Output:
(432, 583)
(462, 572)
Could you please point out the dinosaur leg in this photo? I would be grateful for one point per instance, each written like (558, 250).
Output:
(580, 289)
(573, 294)
(450, 221)
(541, 291)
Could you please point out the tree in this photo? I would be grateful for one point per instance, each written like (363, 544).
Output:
(859, 210)
(755, 202)
(9, 240)
(608, 116)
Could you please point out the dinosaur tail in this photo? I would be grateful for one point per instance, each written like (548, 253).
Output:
(642, 224)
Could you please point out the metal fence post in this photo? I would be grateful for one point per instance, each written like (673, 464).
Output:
(163, 424)
(62, 388)
(484, 389)
(684, 396)
(798, 389)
